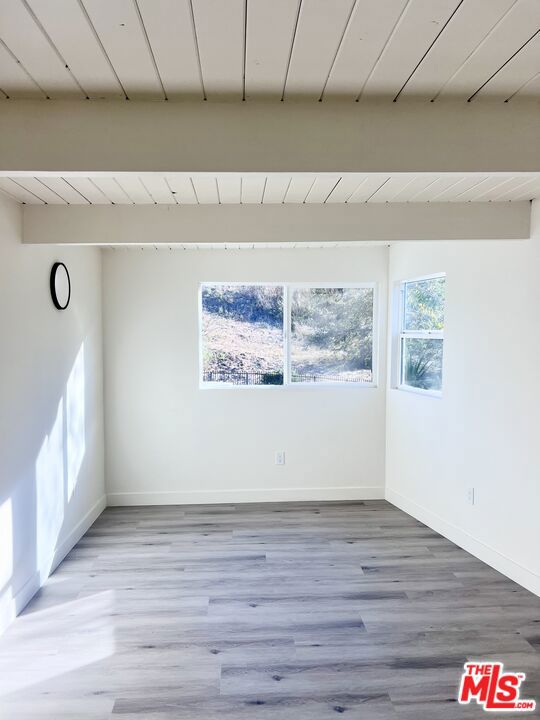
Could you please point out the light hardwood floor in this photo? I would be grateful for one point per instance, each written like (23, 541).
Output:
(294, 611)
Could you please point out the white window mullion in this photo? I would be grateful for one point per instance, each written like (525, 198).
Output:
(423, 335)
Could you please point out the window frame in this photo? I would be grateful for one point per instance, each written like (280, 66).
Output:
(404, 334)
(288, 288)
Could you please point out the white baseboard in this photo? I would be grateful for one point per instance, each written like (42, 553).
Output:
(525, 577)
(210, 497)
(11, 605)
(78, 531)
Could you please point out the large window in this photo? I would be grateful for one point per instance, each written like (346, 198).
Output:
(242, 334)
(263, 334)
(421, 334)
(331, 335)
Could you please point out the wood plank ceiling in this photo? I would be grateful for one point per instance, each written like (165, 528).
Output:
(204, 189)
(276, 49)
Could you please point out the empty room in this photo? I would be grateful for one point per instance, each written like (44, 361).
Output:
(269, 359)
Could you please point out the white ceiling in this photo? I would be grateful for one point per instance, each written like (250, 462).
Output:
(207, 189)
(280, 49)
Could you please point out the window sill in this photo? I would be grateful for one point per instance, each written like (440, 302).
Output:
(286, 386)
(419, 391)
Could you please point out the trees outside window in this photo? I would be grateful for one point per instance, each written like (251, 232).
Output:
(331, 335)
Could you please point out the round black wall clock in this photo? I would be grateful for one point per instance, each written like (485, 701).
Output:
(60, 286)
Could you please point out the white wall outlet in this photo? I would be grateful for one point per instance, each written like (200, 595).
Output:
(470, 496)
(280, 457)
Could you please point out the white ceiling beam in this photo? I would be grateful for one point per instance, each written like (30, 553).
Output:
(63, 138)
(159, 224)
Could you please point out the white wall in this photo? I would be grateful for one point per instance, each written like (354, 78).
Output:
(169, 441)
(483, 432)
(51, 412)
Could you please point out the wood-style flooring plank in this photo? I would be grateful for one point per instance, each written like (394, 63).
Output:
(293, 611)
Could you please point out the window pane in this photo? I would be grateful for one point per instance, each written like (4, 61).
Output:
(332, 335)
(242, 334)
(424, 305)
(421, 363)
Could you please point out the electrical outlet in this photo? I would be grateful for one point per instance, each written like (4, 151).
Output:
(280, 457)
(470, 496)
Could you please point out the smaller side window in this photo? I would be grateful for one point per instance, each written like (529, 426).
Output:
(421, 334)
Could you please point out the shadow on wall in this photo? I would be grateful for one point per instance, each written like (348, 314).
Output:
(56, 473)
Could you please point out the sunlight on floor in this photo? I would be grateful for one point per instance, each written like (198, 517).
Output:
(49, 643)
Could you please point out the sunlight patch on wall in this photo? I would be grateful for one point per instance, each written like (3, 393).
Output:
(50, 493)
(6, 543)
(75, 426)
